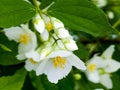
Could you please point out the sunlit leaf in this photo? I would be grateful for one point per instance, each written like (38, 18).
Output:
(14, 82)
(81, 15)
(15, 12)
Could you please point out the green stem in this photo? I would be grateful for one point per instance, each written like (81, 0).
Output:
(116, 24)
(37, 7)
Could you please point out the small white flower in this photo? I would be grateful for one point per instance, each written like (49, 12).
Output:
(70, 44)
(100, 67)
(39, 23)
(110, 14)
(112, 65)
(62, 33)
(58, 64)
(25, 37)
(57, 23)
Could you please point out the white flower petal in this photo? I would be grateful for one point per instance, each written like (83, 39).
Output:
(45, 35)
(112, 66)
(100, 63)
(62, 33)
(61, 53)
(39, 24)
(13, 33)
(107, 54)
(60, 44)
(46, 18)
(75, 61)
(30, 66)
(93, 76)
(42, 67)
(55, 74)
(71, 45)
(34, 55)
(57, 23)
(23, 49)
(21, 56)
(106, 81)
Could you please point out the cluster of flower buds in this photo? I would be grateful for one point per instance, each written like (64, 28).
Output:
(99, 68)
(47, 48)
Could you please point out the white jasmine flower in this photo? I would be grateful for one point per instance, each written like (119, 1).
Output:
(25, 37)
(100, 67)
(57, 23)
(58, 64)
(70, 44)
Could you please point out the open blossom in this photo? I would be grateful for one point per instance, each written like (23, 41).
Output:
(58, 64)
(100, 68)
(25, 37)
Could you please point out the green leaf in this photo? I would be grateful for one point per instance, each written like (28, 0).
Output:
(8, 57)
(45, 3)
(81, 15)
(36, 81)
(5, 48)
(15, 12)
(14, 82)
(66, 83)
(115, 79)
(82, 52)
(45, 84)
(42, 83)
(9, 69)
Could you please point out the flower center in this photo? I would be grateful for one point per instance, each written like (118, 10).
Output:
(59, 62)
(102, 71)
(24, 38)
(92, 67)
(49, 26)
(32, 61)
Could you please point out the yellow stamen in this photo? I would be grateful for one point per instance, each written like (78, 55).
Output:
(59, 62)
(32, 61)
(24, 38)
(92, 67)
(49, 26)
